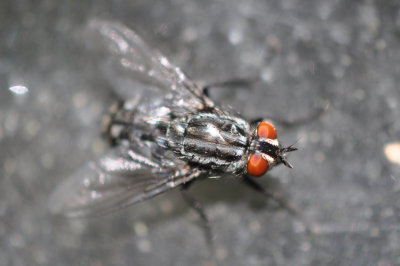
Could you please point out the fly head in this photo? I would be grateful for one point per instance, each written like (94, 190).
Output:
(266, 151)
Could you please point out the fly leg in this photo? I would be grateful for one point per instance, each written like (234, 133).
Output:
(235, 83)
(270, 194)
(297, 121)
(193, 203)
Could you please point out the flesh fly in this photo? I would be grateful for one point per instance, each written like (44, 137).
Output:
(166, 133)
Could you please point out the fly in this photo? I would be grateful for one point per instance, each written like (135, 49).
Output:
(168, 134)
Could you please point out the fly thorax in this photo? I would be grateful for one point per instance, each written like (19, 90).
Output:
(210, 141)
(175, 135)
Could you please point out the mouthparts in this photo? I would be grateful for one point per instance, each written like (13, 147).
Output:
(282, 155)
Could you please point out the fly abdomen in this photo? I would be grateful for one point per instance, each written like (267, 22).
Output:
(119, 122)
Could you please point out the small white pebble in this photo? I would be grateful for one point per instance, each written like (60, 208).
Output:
(392, 152)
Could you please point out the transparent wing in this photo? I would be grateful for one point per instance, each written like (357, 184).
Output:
(129, 60)
(117, 179)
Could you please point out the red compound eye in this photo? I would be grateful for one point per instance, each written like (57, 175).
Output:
(266, 130)
(257, 165)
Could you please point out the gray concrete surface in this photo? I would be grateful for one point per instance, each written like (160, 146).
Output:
(306, 52)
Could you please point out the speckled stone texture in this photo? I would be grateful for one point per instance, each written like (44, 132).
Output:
(305, 53)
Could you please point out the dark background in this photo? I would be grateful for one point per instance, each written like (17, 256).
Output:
(305, 52)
